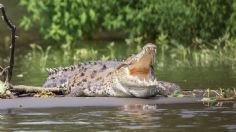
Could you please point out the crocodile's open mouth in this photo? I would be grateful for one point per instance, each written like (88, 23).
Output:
(140, 64)
(136, 77)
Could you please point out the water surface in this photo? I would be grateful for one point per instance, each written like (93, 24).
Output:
(181, 117)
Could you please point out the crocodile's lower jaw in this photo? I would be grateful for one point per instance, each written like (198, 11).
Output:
(142, 89)
(143, 92)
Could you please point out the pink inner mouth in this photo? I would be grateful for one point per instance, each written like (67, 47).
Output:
(141, 66)
(140, 72)
(141, 69)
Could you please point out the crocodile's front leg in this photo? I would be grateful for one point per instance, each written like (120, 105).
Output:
(76, 92)
(167, 88)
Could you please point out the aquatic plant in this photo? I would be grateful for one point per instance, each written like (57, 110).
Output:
(177, 55)
(84, 54)
(2, 88)
(208, 96)
(220, 94)
(44, 94)
(40, 55)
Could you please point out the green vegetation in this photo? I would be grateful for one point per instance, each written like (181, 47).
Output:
(220, 95)
(182, 21)
(4, 90)
(187, 32)
(223, 53)
(45, 94)
(209, 96)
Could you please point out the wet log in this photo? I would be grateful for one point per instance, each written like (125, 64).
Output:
(226, 99)
(33, 89)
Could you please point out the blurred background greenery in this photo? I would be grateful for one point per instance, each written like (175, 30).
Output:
(189, 34)
(182, 21)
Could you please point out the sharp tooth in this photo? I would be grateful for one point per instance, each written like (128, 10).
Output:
(146, 82)
(139, 81)
(152, 82)
(155, 82)
(149, 81)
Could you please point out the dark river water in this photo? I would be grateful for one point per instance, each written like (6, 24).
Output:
(181, 117)
(172, 117)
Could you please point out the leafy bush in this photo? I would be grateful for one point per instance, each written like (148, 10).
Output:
(180, 20)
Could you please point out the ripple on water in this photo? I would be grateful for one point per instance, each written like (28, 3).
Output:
(186, 126)
(53, 123)
(133, 118)
(34, 114)
(192, 113)
(140, 126)
(231, 128)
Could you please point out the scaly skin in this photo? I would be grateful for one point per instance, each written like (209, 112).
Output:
(133, 77)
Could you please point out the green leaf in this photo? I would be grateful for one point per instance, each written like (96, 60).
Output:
(83, 18)
(92, 14)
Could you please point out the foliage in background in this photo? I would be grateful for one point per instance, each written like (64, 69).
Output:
(187, 32)
(181, 21)
(222, 52)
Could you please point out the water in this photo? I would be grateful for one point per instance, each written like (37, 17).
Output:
(174, 117)
(181, 117)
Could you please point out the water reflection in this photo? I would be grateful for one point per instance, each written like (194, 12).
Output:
(140, 107)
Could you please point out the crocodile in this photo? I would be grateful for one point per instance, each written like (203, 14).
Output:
(133, 77)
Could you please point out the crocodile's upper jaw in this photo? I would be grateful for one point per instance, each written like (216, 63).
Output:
(139, 66)
(136, 77)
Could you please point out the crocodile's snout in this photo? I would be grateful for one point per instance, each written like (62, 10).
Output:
(149, 46)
